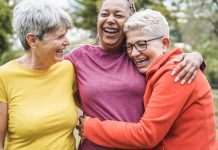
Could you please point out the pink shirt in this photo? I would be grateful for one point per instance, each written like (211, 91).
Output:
(110, 86)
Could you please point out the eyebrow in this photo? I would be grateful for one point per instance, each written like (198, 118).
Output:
(117, 11)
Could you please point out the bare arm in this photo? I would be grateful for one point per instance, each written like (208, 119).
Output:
(3, 124)
(188, 66)
(77, 99)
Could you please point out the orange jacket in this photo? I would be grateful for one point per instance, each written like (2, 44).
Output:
(177, 117)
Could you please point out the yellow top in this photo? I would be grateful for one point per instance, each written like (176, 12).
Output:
(41, 110)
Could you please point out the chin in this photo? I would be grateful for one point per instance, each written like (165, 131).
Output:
(142, 71)
(59, 59)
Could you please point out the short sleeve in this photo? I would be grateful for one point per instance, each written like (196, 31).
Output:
(72, 56)
(3, 97)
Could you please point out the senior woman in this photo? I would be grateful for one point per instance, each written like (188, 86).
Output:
(108, 81)
(37, 110)
(176, 116)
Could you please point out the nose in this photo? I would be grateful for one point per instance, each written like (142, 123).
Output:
(66, 41)
(135, 52)
(110, 19)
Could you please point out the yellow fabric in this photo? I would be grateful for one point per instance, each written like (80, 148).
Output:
(41, 109)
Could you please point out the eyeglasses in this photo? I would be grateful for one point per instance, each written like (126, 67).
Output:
(139, 45)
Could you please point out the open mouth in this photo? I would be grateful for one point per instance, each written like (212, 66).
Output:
(110, 31)
(60, 51)
(142, 62)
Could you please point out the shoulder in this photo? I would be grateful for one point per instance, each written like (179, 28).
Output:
(65, 65)
(7, 67)
(79, 51)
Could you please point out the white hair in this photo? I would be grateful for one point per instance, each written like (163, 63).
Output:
(153, 23)
(38, 17)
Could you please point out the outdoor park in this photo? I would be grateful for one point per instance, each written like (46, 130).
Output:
(193, 27)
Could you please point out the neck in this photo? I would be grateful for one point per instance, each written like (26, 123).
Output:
(32, 62)
(111, 49)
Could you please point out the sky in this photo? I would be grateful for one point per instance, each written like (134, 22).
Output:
(62, 3)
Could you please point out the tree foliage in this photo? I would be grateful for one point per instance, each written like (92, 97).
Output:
(5, 26)
(84, 14)
(201, 31)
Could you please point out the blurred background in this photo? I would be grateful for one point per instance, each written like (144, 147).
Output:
(193, 24)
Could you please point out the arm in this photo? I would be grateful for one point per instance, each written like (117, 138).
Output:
(162, 110)
(77, 99)
(188, 66)
(3, 124)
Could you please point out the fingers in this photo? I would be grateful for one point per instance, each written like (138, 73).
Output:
(183, 74)
(179, 58)
(80, 128)
(187, 74)
(82, 140)
(178, 68)
(193, 76)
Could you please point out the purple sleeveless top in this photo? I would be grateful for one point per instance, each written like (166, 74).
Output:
(110, 86)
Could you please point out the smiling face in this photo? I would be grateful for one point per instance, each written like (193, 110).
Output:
(50, 49)
(155, 48)
(111, 19)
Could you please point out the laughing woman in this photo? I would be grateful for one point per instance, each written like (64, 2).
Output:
(37, 110)
(180, 117)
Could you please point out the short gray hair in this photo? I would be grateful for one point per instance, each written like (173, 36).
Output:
(152, 22)
(39, 18)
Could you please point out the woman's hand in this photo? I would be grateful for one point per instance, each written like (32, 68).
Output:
(188, 66)
(80, 127)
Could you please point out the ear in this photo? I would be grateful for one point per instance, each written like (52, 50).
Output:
(31, 40)
(166, 43)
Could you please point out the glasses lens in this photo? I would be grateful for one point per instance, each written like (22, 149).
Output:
(141, 45)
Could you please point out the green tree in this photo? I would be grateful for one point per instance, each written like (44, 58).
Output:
(5, 26)
(84, 14)
(201, 31)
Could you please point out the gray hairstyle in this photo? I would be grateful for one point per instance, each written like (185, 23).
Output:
(152, 22)
(39, 18)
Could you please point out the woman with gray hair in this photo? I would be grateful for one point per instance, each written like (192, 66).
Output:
(37, 110)
(180, 117)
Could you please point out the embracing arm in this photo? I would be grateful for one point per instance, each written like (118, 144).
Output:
(188, 66)
(163, 108)
(3, 124)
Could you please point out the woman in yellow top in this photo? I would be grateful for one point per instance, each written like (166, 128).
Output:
(37, 110)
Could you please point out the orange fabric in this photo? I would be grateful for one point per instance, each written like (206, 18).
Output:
(176, 116)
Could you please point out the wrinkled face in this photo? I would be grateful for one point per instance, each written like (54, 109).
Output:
(111, 19)
(50, 49)
(144, 59)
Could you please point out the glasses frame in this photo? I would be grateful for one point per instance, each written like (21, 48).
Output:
(129, 51)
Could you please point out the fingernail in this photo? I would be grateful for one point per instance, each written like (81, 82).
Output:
(183, 81)
(175, 60)
(189, 82)
(176, 79)
(173, 73)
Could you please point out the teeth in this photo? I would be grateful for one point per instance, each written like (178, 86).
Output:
(141, 60)
(59, 51)
(110, 30)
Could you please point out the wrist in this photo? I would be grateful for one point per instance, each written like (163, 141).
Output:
(87, 118)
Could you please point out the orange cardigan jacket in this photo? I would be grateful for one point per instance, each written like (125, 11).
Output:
(176, 116)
